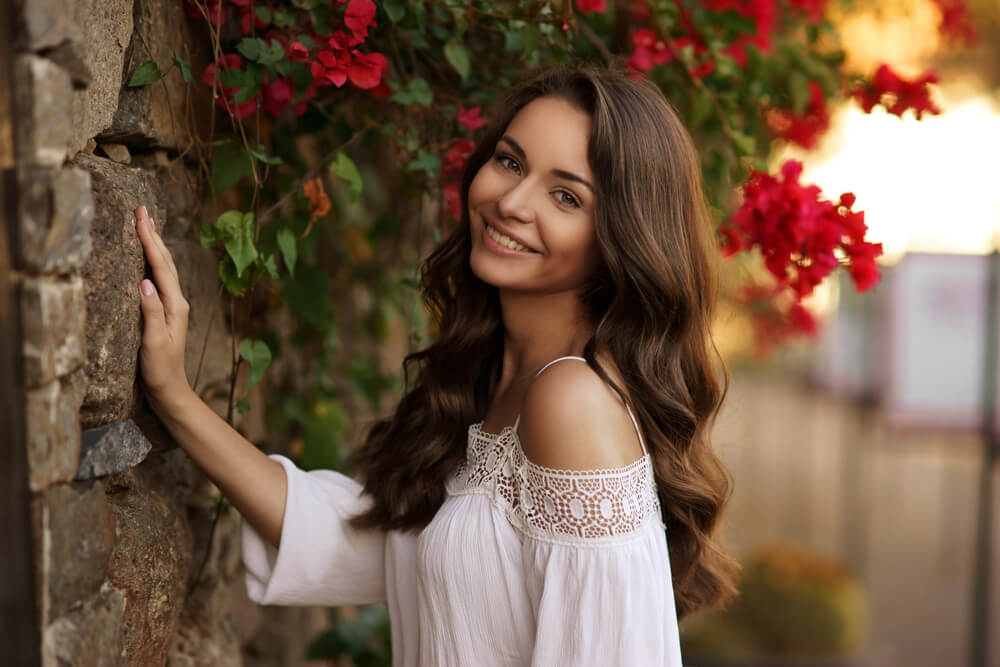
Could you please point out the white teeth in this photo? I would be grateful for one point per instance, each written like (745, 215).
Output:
(505, 240)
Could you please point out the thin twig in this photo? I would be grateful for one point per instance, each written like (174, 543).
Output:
(327, 159)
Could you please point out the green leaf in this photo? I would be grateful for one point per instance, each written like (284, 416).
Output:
(230, 165)
(235, 285)
(798, 88)
(458, 57)
(264, 14)
(416, 92)
(744, 142)
(265, 158)
(145, 74)
(258, 354)
(252, 48)
(185, 69)
(289, 249)
(426, 161)
(243, 406)
(531, 37)
(271, 267)
(345, 168)
(395, 10)
(308, 295)
(236, 229)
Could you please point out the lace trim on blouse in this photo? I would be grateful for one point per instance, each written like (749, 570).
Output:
(566, 506)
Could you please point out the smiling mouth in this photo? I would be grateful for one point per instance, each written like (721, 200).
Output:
(504, 240)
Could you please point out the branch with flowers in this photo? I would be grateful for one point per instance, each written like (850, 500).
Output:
(359, 98)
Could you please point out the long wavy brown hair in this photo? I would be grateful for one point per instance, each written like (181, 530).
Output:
(651, 304)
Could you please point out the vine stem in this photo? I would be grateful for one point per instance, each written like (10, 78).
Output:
(327, 159)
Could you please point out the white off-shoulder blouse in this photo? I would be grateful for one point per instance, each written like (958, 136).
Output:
(521, 565)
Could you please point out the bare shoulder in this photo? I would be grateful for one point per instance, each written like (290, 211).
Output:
(572, 420)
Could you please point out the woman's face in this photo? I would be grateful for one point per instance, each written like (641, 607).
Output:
(537, 193)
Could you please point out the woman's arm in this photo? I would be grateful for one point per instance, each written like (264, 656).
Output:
(253, 483)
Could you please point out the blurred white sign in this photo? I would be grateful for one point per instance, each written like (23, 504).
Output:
(936, 340)
(917, 343)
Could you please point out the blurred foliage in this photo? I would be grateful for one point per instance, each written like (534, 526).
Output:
(793, 602)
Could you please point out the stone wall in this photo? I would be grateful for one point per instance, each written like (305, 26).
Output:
(122, 521)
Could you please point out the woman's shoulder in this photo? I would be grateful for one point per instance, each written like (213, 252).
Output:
(572, 419)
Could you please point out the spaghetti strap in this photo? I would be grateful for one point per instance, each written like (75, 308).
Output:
(555, 360)
(635, 423)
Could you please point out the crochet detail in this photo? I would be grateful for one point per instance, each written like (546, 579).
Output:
(569, 506)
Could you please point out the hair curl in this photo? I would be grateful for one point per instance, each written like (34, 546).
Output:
(651, 304)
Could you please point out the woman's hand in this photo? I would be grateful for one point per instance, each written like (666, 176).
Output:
(165, 319)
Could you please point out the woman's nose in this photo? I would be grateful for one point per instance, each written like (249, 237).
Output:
(515, 203)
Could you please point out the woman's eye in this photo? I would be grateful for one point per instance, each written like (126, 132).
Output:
(507, 162)
(567, 199)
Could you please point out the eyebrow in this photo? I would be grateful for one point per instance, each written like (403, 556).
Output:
(568, 175)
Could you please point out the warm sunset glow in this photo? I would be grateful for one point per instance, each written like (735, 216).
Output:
(927, 185)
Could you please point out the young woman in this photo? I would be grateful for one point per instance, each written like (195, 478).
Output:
(546, 491)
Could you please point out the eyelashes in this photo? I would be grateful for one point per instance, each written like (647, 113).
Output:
(509, 163)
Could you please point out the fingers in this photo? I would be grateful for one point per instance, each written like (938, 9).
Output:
(164, 271)
(154, 332)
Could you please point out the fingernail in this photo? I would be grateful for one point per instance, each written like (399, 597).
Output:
(152, 223)
(143, 213)
(147, 287)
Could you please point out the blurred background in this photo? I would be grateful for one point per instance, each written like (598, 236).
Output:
(866, 444)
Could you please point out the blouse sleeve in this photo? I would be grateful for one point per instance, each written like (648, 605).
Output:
(597, 567)
(321, 560)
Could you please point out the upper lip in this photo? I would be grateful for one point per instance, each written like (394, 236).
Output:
(506, 232)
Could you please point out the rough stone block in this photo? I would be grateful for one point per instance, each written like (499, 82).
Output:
(117, 152)
(104, 30)
(111, 448)
(153, 555)
(156, 115)
(55, 210)
(43, 24)
(53, 314)
(112, 276)
(89, 634)
(197, 267)
(53, 430)
(43, 122)
(77, 538)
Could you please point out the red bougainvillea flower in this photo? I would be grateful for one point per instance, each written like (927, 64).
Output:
(365, 70)
(243, 13)
(897, 94)
(359, 15)
(470, 119)
(804, 129)
(775, 317)
(587, 6)
(229, 61)
(813, 10)
(451, 172)
(277, 95)
(329, 68)
(297, 52)
(341, 40)
(213, 8)
(648, 51)
(956, 25)
(801, 237)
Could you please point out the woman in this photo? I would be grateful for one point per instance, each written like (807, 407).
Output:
(517, 507)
